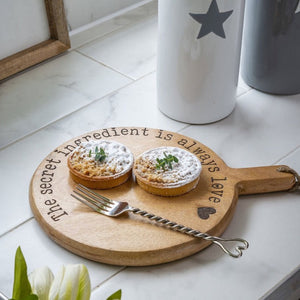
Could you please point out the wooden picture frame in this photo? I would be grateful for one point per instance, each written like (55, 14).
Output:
(59, 42)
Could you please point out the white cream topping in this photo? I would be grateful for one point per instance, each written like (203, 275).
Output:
(118, 157)
(187, 169)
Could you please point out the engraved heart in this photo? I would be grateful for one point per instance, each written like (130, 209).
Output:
(204, 212)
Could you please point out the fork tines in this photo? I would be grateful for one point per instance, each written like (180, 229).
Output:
(90, 198)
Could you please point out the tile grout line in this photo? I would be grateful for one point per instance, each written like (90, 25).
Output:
(287, 155)
(108, 278)
(184, 127)
(103, 64)
(16, 227)
(112, 16)
(244, 93)
(118, 29)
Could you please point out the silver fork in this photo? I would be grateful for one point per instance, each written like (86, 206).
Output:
(113, 208)
(3, 297)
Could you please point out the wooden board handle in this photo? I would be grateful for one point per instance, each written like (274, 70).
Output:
(262, 180)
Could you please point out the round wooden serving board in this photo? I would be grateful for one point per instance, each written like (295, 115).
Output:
(130, 239)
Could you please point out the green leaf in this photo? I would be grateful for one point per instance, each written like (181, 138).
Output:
(102, 158)
(32, 297)
(22, 287)
(97, 156)
(102, 152)
(115, 296)
(168, 159)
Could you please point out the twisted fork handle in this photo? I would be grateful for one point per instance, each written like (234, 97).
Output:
(237, 252)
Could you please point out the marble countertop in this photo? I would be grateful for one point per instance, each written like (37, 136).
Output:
(103, 81)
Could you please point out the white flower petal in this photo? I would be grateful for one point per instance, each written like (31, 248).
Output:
(41, 280)
(72, 283)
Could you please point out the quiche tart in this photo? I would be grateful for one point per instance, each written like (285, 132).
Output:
(100, 164)
(167, 171)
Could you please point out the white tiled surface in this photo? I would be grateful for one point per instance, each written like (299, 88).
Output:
(136, 44)
(51, 91)
(107, 83)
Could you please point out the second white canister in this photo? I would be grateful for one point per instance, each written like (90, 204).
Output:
(199, 45)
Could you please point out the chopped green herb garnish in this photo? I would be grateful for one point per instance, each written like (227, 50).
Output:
(166, 161)
(100, 155)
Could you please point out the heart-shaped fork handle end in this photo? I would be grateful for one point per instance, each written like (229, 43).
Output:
(238, 249)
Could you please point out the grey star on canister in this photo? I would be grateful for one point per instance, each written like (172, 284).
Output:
(212, 21)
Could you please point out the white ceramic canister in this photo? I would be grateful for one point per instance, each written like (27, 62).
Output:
(199, 45)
